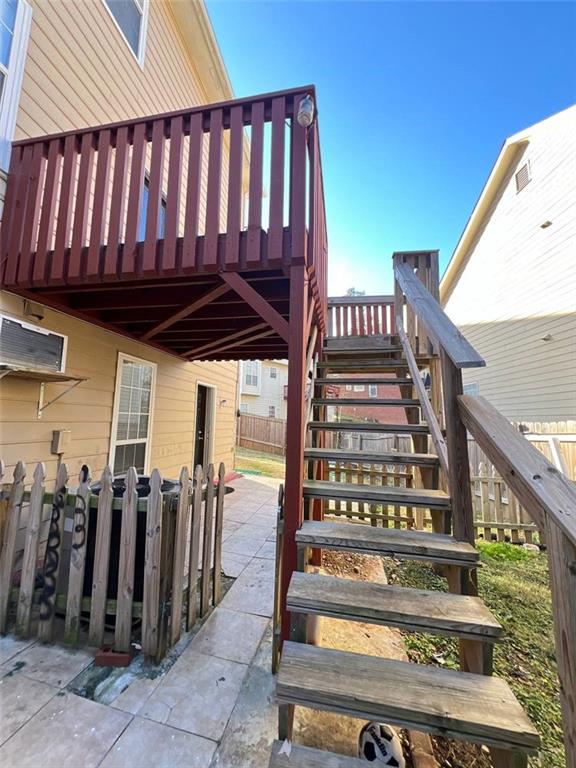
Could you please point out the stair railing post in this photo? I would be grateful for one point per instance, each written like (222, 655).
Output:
(459, 476)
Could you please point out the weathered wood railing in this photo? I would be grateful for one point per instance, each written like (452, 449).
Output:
(169, 592)
(544, 492)
(454, 353)
(166, 194)
(360, 316)
(550, 498)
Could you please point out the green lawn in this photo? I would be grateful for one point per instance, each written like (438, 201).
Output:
(254, 462)
(514, 584)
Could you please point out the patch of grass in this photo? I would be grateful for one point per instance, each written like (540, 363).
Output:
(513, 583)
(255, 462)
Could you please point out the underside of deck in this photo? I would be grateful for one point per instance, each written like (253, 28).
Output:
(197, 316)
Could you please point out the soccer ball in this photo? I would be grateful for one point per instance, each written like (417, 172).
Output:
(378, 743)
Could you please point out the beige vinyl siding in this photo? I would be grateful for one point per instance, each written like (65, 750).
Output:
(519, 283)
(87, 409)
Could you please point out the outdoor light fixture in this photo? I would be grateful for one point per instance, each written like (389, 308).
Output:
(306, 111)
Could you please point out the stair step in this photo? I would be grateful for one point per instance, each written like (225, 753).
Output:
(363, 365)
(415, 610)
(409, 545)
(308, 757)
(384, 349)
(391, 402)
(325, 382)
(361, 457)
(460, 705)
(376, 494)
(370, 426)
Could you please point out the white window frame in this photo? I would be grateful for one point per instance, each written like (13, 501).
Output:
(271, 411)
(359, 387)
(348, 387)
(251, 389)
(143, 31)
(372, 390)
(273, 372)
(13, 83)
(122, 356)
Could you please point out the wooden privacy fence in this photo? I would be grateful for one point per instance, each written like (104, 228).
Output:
(497, 512)
(162, 550)
(262, 434)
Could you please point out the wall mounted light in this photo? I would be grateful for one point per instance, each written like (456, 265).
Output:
(306, 111)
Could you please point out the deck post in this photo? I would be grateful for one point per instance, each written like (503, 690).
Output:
(295, 434)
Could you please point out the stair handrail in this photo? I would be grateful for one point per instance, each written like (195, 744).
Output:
(438, 325)
(549, 497)
(429, 415)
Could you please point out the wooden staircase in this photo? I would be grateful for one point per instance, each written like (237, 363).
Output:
(468, 705)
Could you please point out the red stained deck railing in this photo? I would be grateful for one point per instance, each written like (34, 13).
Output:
(361, 316)
(225, 187)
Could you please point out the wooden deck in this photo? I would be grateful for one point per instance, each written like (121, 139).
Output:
(168, 229)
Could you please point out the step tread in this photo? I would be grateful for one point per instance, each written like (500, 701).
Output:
(460, 705)
(361, 457)
(416, 610)
(370, 426)
(415, 545)
(308, 757)
(342, 365)
(411, 497)
(364, 380)
(398, 402)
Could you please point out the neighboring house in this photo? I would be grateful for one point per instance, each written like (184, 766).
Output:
(511, 283)
(263, 388)
(379, 413)
(66, 67)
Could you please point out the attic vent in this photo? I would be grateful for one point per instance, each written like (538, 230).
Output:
(523, 177)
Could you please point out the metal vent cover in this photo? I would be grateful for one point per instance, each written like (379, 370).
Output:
(523, 177)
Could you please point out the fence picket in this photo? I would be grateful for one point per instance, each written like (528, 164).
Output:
(29, 562)
(77, 557)
(7, 554)
(194, 549)
(151, 601)
(207, 542)
(123, 628)
(218, 523)
(52, 558)
(101, 560)
(179, 555)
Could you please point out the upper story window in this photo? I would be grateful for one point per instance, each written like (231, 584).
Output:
(372, 390)
(131, 17)
(15, 17)
(251, 373)
(144, 213)
(273, 373)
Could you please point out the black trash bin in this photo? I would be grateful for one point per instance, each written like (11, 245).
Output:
(169, 488)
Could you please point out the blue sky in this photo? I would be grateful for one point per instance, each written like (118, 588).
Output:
(415, 100)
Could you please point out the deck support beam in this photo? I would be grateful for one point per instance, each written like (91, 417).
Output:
(259, 304)
(206, 298)
(295, 436)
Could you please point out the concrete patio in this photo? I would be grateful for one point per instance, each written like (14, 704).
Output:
(213, 707)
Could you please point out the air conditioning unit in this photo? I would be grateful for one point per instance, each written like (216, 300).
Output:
(28, 347)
